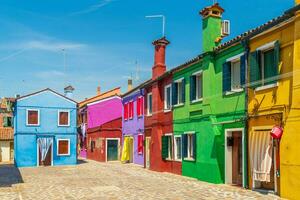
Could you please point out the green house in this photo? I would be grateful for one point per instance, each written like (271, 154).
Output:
(209, 108)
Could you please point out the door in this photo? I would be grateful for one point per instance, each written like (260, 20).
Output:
(112, 150)
(4, 151)
(147, 148)
(11, 150)
(131, 149)
(48, 158)
(237, 158)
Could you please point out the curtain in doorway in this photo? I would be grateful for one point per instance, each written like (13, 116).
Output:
(125, 152)
(260, 155)
(44, 146)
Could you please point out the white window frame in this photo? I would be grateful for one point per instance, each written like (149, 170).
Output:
(189, 158)
(57, 146)
(198, 73)
(27, 124)
(175, 148)
(170, 151)
(62, 125)
(148, 104)
(177, 82)
(129, 110)
(165, 98)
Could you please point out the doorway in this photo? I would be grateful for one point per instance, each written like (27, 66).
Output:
(147, 155)
(112, 149)
(45, 151)
(235, 157)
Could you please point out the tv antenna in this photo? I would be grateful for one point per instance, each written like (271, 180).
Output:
(163, 21)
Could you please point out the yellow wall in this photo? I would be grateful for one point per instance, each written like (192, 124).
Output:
(284, 99)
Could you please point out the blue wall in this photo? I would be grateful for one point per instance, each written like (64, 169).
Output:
(48, 104)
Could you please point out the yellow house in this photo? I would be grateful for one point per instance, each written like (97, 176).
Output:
(274, 100)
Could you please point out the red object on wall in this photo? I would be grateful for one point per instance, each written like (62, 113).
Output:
(140, 144)
(97, 136)
(126, 111)
(277, 132)
(131, 109)
(140, 106)
(160, 122)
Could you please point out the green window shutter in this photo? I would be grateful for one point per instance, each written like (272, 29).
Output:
(243, 69)
(5, 121)
(164, 147)
(192, 88)
(174, 93)
(184, 145)
(255, 72)
(226, 77)
(276, 58)
(183, 90)
(195, 145)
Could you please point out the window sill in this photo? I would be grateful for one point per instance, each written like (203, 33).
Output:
(149, 115)
(177, 160)
(197, 101)
(168, 159)
(64, 125)
(265, 87)
(63, 154)
(166, 111)
(178, 105)
(189, 159)
(234, 91)
(33, 125)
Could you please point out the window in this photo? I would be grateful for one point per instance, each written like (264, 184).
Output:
(63, 118)
(140, 106)
(125, 112)
(140, 144)
(7, 121)
(63, 147)
(235, 75)
(264, 65)
(178, 92)
(167, 147)
(93, 145)
(149, 104)
(177, 148)
(33, 118)
(196, 86)
(131, 110)
(189, 146)
(167, 99)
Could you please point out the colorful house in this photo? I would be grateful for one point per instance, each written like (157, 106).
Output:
(45, 129)
(273, 105)
(82, 117)
(133, 126)
(159, 117)
(6, 130)
(104, 129)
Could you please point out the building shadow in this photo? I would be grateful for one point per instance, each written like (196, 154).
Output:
(81, 161)
(9, 175)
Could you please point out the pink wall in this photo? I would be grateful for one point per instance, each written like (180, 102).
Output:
(104, 111)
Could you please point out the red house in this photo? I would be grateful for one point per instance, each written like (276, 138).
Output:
(159, 116)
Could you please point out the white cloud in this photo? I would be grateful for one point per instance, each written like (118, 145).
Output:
(53, 74)
(52, 46)
(93, 8)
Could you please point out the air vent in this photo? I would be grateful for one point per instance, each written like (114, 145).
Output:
(225, 28)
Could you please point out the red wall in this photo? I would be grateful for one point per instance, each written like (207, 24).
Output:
(157, 125)
(112, 129)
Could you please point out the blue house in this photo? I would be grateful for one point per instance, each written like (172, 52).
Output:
(45, 129)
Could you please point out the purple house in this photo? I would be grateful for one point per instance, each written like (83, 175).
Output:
(133, 126)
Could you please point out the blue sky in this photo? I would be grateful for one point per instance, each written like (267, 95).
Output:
(104, 38)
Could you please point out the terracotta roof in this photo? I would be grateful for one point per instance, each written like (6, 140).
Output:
(47, 89)
(216, 6)
(6, 134)
(115, 91)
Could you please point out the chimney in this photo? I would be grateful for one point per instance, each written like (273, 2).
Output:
(159, 57)
(98, 90)
(69, 91)
(129, 84)
(211, 26)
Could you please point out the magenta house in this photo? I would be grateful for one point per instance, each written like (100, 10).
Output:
(133, 126)
(104, 129)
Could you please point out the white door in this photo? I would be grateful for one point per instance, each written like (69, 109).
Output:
(4, 151)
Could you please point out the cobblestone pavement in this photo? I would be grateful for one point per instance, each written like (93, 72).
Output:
(94, 180)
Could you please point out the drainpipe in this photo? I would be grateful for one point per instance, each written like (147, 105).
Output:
(245, 44)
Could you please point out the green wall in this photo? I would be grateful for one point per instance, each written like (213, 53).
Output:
(199, 117)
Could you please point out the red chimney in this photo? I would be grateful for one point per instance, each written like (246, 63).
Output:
(159, 57)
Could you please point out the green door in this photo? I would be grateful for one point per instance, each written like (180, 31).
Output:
(112, 150)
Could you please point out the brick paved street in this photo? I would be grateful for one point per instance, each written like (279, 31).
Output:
(94, 180)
